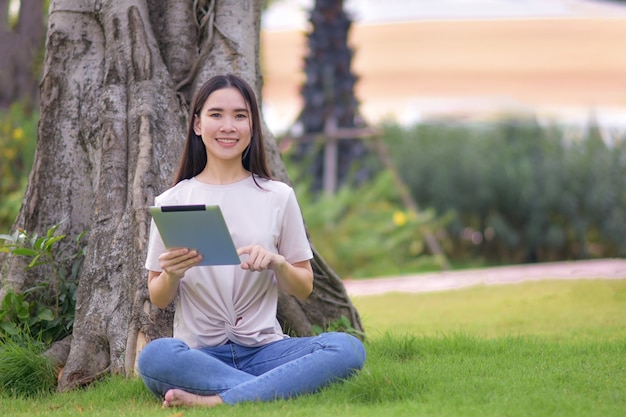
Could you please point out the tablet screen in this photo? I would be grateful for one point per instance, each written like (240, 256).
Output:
(199, 227)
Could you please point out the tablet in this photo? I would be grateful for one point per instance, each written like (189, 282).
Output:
(199, 227)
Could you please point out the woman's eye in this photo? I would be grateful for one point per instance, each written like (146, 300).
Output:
(241, 116)
(214, 115)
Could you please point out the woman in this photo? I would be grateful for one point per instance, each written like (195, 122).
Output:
(228, 346)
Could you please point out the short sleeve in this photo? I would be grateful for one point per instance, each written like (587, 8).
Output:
(155, 248)
(293, 243)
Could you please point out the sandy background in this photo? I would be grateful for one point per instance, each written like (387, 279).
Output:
(562, 68)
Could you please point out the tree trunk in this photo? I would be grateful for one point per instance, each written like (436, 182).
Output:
(118, 77)
(330, 103)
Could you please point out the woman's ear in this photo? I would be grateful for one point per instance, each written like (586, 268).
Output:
(196, 125)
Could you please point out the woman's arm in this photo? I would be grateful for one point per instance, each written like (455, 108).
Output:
(163, 286)
(295, 279)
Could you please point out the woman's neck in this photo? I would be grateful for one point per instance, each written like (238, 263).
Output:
(220, 174)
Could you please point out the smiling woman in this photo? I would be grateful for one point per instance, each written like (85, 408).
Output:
(224, 139)
(224, 126)
(228, 345)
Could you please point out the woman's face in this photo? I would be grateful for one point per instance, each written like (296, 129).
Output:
(224, 123)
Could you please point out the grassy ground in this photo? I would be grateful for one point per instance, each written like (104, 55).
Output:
(534, 349)
(554, 310)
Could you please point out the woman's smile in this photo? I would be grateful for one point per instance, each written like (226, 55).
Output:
(227, 141)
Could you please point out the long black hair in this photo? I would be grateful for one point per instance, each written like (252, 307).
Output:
(194, 158)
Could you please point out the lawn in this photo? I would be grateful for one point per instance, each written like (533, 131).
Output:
(534, 349)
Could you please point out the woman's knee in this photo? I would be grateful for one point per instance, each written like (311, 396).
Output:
(159, 352)
(349, 348)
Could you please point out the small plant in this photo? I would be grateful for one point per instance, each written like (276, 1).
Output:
(45, 311)
(342, 324)
(24, 372)
(20, 318)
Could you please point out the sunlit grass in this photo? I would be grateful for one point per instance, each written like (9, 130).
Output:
(556, 310)
(534, 349)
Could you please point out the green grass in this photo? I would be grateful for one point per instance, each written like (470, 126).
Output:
(23, 370)
(534, 349)
(554, 310)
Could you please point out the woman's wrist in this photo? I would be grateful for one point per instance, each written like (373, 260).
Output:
(172, 279)
(279, 264)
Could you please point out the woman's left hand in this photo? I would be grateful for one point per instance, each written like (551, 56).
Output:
(259, 258)
(296, 279)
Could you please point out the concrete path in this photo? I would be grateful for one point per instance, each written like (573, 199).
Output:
(441, 281)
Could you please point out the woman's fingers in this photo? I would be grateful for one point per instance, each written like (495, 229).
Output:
(259, 258)
(178, 261)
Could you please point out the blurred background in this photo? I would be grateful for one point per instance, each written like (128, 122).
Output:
(418, 59)
(420, 135)
(493, 129)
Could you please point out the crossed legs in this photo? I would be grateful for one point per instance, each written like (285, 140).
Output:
(232, 373)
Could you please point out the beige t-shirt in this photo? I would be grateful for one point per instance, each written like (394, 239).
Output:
(221, 303)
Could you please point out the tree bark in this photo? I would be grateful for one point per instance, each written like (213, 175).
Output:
(118, 77)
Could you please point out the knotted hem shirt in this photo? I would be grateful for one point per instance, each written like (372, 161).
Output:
(217, 304)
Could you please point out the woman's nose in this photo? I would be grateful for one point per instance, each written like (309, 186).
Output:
(227, 124)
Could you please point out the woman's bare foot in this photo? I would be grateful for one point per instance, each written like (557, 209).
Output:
(176, 397)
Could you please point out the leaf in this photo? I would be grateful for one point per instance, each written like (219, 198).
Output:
(9, 299)
(51, 231)
(23, 311)
(80, 236)
(34, 262)
(45, 314)
(51, 241)
(39, 242)
(9, 328)
(25, 252)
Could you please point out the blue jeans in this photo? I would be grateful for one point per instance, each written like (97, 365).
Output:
(281, 369)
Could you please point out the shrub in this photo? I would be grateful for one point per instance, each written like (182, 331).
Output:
(18, 136)
(366, 231)
(45, 311)
(517, 191)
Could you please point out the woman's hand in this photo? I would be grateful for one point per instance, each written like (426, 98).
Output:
(259, 258)
(176, 262)
(163, 286)
(296, 279)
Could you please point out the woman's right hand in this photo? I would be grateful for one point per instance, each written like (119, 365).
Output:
(163, 286)
(176, 262)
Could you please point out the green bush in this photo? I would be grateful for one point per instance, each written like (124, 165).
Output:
(44, 312)
(18, 137)
(517, 191)
(365, 231)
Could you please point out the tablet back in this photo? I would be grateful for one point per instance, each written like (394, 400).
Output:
(197, 227)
